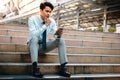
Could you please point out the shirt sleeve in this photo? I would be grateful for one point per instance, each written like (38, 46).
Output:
(54, 28)
(33, 28)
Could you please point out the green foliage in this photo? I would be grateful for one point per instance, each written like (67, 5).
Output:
(88, 29)
(112, 29)
(99, 29)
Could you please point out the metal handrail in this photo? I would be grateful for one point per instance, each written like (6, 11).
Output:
(16, 17)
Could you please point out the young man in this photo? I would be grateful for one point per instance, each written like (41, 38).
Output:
(39, 28)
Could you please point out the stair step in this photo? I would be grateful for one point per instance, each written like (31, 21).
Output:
(53, 68)
(70, 54)
(13, 27)
(73, 76)
(97, 38)
(69, 42)
(58, 64)
(5, 47)
(14, 32)
(92, 33)
(65, 31)
(65, 35)
(15, 39)
(53, 58)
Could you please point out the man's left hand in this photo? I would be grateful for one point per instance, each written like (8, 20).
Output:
(59, 32)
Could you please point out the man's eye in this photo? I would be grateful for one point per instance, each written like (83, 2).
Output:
(48, 11)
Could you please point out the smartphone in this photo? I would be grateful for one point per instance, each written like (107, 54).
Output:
(59, 29)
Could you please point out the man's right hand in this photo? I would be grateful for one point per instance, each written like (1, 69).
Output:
(47, 21)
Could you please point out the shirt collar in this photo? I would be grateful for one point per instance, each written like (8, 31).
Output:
(41, 20)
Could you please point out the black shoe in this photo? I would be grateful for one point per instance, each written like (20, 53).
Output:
(64, 73)
(63, 70)
(37, 73)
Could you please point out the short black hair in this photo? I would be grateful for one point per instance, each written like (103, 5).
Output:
(43, 5)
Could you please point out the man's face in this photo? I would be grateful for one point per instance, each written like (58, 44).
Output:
(45, 13)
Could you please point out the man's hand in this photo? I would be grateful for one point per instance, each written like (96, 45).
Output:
(47, 21)
(59, 32)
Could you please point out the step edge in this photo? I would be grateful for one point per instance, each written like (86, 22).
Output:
(53, 76)
(91, 35)
(68, 46)
(69, 54)
(8, 36)
(57, 64)
(15, 30)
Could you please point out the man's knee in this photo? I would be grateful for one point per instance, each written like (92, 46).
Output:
(34, 39)
(62, 41)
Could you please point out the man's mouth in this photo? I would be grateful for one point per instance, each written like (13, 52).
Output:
(47, 16)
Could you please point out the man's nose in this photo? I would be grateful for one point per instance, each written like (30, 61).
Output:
(48, 13)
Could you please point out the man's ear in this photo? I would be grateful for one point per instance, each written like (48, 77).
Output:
(40, 10)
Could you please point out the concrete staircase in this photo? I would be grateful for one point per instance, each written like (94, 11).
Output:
(92, 55)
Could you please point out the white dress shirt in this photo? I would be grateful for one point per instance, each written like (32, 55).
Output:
(36, 27)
